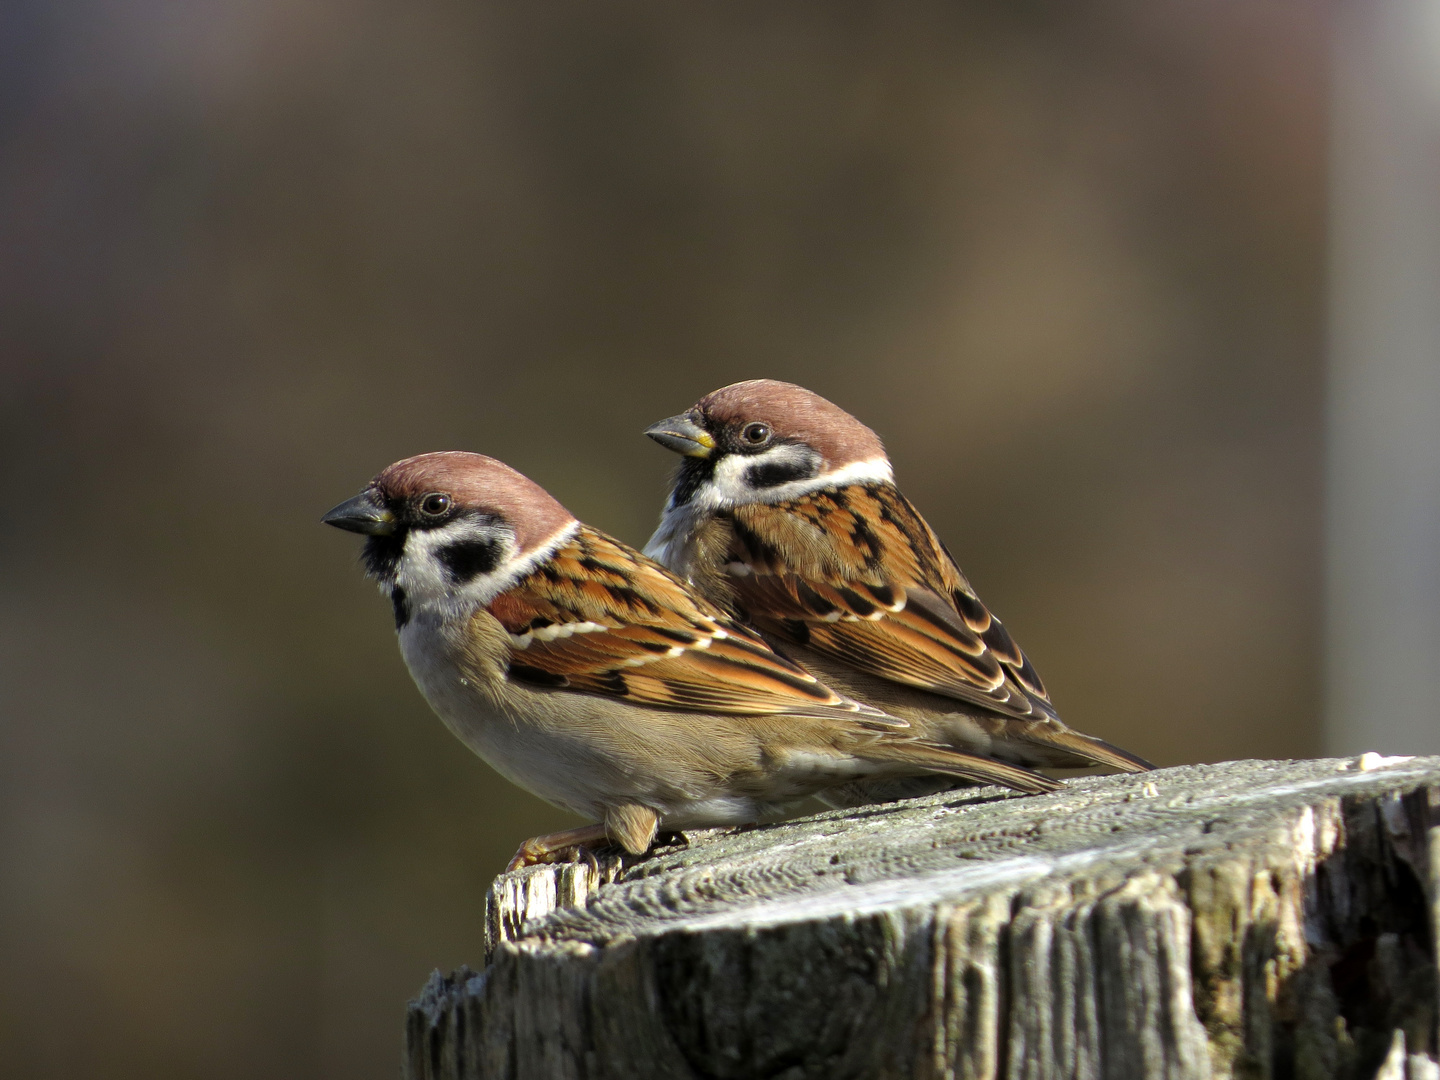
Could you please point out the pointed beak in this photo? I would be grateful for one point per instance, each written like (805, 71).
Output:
(682, 435)
(362, 514)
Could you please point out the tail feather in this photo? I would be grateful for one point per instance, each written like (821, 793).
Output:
(1090, 749)
(981, 770)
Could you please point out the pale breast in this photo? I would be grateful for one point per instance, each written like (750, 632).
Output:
(581, 752)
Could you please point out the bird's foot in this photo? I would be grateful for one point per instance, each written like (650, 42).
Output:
(568, 845)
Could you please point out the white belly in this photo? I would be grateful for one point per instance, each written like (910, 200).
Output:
(580, 752)
(517, 751)
(586, 752)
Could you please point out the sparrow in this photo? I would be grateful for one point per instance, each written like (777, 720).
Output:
(785, 514)
(596, 679)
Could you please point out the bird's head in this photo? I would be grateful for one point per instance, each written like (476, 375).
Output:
(451, 530)
(766, 441)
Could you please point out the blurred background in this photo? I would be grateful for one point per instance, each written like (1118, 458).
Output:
(1068, 259)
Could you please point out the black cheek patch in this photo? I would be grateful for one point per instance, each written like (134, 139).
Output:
(774, 473)
(469, 559)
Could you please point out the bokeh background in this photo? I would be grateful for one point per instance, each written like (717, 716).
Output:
(1066, 258)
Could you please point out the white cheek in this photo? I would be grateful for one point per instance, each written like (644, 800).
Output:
(730, 486)
(729, 483)
(425, 579)
(428, 584)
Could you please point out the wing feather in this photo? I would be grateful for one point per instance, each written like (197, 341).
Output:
(891, 601)
(602, 618)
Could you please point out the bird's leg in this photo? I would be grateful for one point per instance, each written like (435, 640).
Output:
(632, 826)
(557, 846)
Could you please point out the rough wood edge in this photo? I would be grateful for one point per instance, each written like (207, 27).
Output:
(1221, 963)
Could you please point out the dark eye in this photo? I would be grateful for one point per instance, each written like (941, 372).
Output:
(435, 504)
(756, 434)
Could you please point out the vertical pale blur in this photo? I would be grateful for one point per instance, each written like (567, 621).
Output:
(1383, 513)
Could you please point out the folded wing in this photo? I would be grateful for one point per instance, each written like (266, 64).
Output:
(599, 617)
(890, 602)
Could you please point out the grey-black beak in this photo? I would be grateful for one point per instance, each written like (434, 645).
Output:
(362, 514)
(683, 435)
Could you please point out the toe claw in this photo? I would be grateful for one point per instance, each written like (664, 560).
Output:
(557, 847)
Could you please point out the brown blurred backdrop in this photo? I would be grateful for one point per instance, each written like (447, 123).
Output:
(1065, 258)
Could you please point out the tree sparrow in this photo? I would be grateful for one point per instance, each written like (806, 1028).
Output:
(587, 674)
(784, 512)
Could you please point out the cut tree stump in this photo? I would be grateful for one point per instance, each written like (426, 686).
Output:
(1252, 919)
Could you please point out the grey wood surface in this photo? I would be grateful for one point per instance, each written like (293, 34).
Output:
(1249, 919)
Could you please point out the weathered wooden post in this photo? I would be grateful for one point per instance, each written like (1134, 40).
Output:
(1252, 919)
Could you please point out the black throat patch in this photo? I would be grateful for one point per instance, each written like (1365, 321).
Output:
(693, 474)
(381, 556)
(401, 603)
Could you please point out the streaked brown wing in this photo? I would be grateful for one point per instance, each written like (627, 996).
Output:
(600, 617)
(857, 573)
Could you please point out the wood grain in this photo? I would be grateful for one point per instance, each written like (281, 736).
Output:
(1260, 919)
